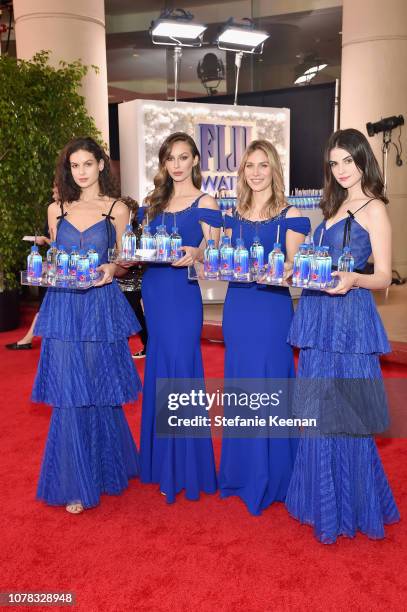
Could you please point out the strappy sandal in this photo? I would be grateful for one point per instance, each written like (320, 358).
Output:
(74, 508)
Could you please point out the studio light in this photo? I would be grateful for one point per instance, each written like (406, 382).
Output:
(387, 125)
(241, 37)
(175, 28)
(211, 71)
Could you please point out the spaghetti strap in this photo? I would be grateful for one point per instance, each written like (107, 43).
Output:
(194, 204)
(348, 223)
(109, 219)
(63, 213)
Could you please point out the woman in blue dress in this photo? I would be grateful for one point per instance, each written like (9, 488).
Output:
(256, 320)
(174, 315)
(86, 371)
(339, 485)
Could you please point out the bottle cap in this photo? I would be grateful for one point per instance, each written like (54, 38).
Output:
(34, 249)
(256, 239)
(128, 228)
(53, 243)
(325, 247)
(211, 242)
(239, 242)
(175, 230)
(277, 245)
(82, 252)
(346, 249)
(61, 247)
(74, 247)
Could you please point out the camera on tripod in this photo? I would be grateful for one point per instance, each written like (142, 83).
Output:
(384, 125)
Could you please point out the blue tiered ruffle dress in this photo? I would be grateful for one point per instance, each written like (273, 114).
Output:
(86, 373)
(174, 316)
(256, 320)
(338, 484)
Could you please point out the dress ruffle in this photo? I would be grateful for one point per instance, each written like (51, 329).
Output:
(100, 374)
(339, 323)
(339, 486)
(89, 451)
(92, 315)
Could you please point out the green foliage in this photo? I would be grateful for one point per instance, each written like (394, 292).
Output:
(40, 111)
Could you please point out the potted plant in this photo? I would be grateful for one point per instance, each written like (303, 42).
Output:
(40, 110)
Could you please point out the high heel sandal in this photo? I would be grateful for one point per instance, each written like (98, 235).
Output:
(74, 508)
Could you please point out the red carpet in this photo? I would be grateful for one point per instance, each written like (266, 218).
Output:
(135, 552)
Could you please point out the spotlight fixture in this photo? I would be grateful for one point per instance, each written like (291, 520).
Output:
(241, 37)
(175, 28)
(211, 71)
(386, 126)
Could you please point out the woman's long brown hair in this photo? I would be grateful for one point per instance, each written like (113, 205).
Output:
(356, 144)
(157, 199)
(276, 201)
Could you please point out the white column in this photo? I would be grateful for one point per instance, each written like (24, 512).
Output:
(71, 30)
(374, 85)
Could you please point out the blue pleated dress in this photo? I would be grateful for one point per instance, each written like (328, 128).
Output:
(174, 316)
(338, 484)
(256, 320)
(86, 373)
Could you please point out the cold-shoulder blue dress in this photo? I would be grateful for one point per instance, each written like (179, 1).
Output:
(338, 484)
(174, 316)
(86, 373)
(256, 320)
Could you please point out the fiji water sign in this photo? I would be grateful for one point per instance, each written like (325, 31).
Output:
(222, 146)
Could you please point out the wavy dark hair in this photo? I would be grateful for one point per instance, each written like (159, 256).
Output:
(157, 199)
(68, 190)
(358, 147)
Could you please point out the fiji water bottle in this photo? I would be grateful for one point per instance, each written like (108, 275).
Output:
(302, 265)
(82, 270)
(147, 241)
(129, 244)
(175, 245)
(73, 260)
(226, 257)
(52, 263)
(62, 264)
(93, 257)
(241, 269)
(34, 266)
(162, 240)
(327, 265)
(276, 264)
(256, 257)
(211, 260)
(346, 262)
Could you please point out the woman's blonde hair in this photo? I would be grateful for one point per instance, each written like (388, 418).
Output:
(276, 201)
(157, 199)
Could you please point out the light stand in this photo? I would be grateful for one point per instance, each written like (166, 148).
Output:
(177, 64)
(238, 63)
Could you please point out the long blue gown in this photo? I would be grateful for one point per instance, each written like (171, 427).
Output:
(338, 484)
(174, 316)
(86, 373)
(256, 320)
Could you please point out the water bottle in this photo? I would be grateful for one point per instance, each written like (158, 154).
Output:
(73, 260)
(211, 260)
(129, 244)
(241, 261)
(327, 265)
(147, 241)
(82, 270)
(346, 262)
(162, 240)
(175, 245)
(302, 265)
(226, 257)
(52, 263)
(62, 264)
(93, 257)
(276, 264)
(34, 266)
(256, 257)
